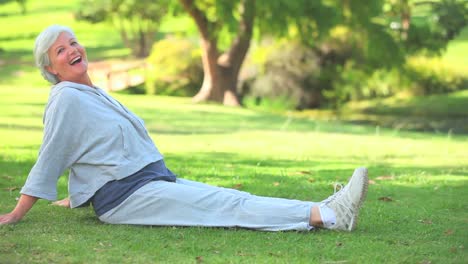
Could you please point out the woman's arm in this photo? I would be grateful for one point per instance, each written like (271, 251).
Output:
(22, 207)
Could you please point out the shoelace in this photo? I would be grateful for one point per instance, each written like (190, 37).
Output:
(337, 185)
(335, 192)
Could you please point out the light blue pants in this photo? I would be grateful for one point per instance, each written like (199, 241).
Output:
(190, 203)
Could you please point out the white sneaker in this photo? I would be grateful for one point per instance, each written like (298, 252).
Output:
(346, 202)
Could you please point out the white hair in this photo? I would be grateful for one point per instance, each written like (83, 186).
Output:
(43, 43)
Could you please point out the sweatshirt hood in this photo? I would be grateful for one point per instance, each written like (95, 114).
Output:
(56, 90)
(67, 85)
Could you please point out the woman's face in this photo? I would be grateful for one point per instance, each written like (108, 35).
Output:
(68, 59)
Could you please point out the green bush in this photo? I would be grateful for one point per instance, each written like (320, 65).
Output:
(419, 76)
(337, 71)
(433, 76)
(290, 73)
(174, 68)
(353, 83)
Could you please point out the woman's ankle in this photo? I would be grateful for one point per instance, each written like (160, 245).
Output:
(315, 219)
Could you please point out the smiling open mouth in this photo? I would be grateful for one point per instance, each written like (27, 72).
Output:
(75, 60)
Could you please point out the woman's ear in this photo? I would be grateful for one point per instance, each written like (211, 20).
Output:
(51, 70)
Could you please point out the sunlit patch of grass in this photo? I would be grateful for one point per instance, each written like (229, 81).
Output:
(456, 54)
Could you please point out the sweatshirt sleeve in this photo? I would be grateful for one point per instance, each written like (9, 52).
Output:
(60, 148)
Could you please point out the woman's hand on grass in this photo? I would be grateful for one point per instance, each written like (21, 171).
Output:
(64, 203)
(24, 204)
(9, 219)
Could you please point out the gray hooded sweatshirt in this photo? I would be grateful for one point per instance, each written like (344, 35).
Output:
(94, 136)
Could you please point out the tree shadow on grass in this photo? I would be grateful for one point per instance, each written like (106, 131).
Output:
(12, 170)
(13, 71)
(431, 124)
(188, 119)
(21, 127)
(440, 113)
(174, 121)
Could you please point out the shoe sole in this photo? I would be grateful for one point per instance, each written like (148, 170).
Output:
(363, 193)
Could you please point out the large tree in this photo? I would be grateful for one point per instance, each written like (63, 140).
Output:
(226, 29)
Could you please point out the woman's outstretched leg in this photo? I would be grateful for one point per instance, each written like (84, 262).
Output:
(188, 203)
(174, 204)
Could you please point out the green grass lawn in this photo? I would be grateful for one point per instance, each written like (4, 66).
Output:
(456, 54)
(416, 210)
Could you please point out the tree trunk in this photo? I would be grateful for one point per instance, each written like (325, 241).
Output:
(221, 73)
(221, 70)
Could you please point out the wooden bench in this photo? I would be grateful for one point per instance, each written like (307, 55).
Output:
(116, 75)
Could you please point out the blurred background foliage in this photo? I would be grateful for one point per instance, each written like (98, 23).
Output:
(364, 58)
(303, 54)
(137, 21)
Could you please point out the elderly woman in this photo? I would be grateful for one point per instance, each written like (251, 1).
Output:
(115, 166)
